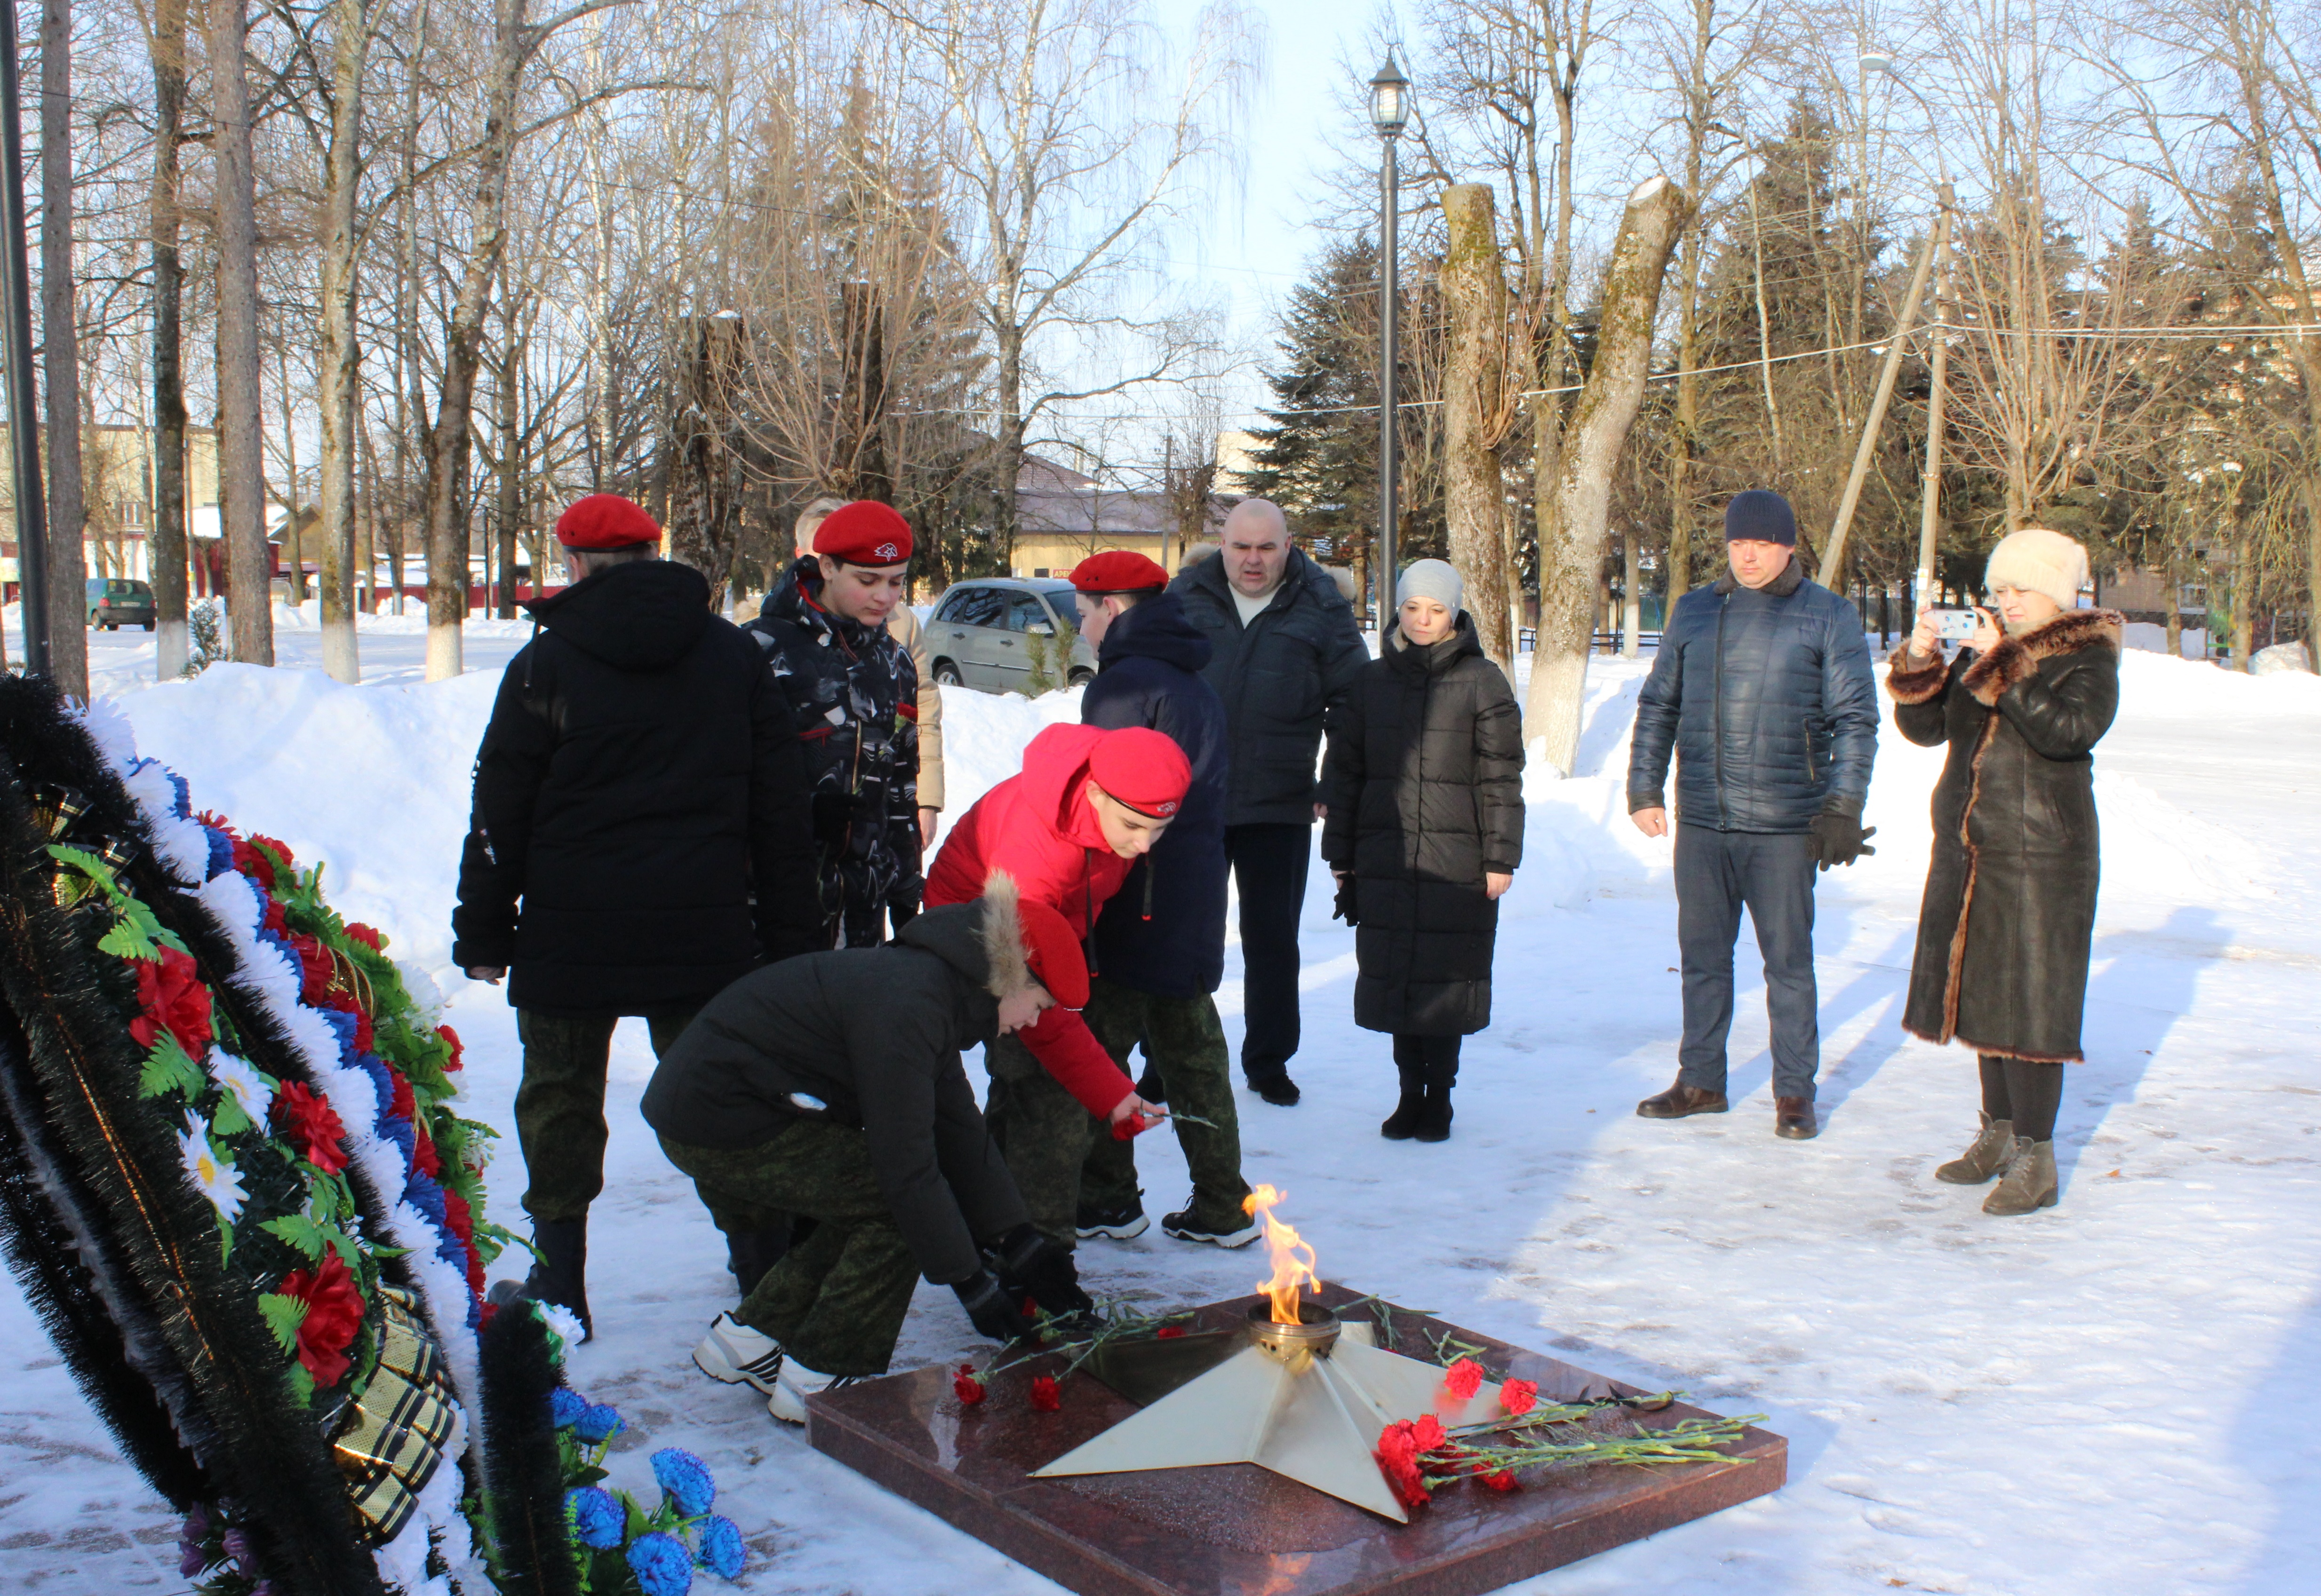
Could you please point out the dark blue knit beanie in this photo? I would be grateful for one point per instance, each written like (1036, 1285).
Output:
(1761, 515)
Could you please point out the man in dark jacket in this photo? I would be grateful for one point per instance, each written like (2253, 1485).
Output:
(1160, 943)
(1285, 649)
(855, 695)
(831, 1087)
(1762, 690)
(640, 838)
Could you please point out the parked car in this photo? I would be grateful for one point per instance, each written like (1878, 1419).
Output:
(987, 633)
(116, 601)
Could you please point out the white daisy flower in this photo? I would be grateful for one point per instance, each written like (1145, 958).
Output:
(216, 1179)
(253, 1090)
(562, 1323)
(426, 997)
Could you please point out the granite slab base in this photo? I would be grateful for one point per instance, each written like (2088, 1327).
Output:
(1241, 1530)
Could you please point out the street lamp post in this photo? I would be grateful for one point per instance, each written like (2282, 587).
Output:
(1389, 112)
(16, 361)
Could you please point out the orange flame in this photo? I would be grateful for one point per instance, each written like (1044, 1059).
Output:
(1292, 1259)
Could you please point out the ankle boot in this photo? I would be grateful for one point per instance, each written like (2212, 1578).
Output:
(1410, 1112)
(1985, 1159)
(1434, 1111)
(561, 1274)
(2029, 1182)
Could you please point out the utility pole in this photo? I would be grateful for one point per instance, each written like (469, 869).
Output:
(1930, 500)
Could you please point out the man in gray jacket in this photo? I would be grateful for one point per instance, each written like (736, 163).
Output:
(1285, 647)
(1763, 692)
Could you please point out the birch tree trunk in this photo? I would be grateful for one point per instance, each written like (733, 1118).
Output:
(1475, 297)
(61, 355)
(449, 438)
(241, 465)
(168, 551)
(340, 357)
(1591, 442)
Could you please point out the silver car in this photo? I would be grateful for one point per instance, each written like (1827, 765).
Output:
(987, 632)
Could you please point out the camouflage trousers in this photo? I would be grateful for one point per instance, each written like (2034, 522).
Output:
(1051, 1144)
(1186, 1043)
(560, 1104)
(837, 1298)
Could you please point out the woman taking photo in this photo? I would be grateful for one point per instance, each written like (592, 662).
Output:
(1424, 830)
(2010, 902)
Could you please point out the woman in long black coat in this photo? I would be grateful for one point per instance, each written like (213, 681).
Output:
(2010, 911)
(1424, 830)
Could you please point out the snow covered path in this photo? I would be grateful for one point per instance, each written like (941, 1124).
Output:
(2115, 1395)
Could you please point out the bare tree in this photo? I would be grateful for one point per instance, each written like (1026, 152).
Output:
(1474, 485)
(167, 50)
(242, 466)
(60, 356)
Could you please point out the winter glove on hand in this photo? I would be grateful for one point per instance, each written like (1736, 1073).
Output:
(1043, 1266)
(1343, 907)
(988, 1309)
(833, 811)
(1840, 840)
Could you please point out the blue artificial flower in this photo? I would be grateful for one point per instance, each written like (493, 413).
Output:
(600, 1422)
(221, 852)
(566, 1405)
(685, 1480)
(662, 1564)
(181, 799)
(598, 1520)
(722, 1552)
(424, 1194)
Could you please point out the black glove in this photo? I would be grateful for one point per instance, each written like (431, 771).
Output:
(988, 1309)
(1343, 907)
(833, 811)
(1043, 1266)
(1840, 840)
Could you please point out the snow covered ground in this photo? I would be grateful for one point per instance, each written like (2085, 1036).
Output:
(2117, 1395)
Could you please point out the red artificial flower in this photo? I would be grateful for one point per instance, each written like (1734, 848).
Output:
(314, 966)
(461, 1223)
(424, 1158)
(967, 1386)
(1464, 1379)
(276, 921)
(170, 993)
(1169, 1332)
(335, 1310)
(1044, 1396)
(298, 1112)
(1500, 1480)
(216, 822)
(252, 863)
(367, 936)
(1427, 1433)
(402, 1104)
(281, 851)
(366, 1038)
(1519, 1396)
(452, 1037)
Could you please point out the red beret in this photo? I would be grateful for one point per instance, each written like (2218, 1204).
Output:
(1054, 953)
(864, 533)
(1143, 768)
(605, 520)
(1117, 570)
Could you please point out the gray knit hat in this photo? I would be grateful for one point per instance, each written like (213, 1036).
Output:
(1434, 579)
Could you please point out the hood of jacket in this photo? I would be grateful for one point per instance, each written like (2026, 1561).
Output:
(1055, 769)
(1300, 574)
(640, 616)
(1792, 577)
(1157, 629)
(982, 941)
(1433, 659)
(796, 598)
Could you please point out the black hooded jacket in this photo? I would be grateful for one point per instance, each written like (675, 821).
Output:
(1164, 931)
(640, 775)
(872, 1036)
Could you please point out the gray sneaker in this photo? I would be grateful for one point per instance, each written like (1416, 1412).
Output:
(1185, 1227)
(787, 1401)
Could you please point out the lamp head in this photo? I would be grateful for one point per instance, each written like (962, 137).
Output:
(1878, 60)
(1389, 100)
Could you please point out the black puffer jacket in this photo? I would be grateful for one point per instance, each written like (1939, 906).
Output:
(639, 776)
(855, 694)
(874, 1035)
(1425, 793)
(1164, 931)
(1278, 677)
(1766, 698)
(2010, 911)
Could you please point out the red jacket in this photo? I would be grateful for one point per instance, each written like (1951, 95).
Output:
(1037, 825)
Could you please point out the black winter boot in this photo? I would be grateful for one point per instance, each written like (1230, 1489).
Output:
(1410, 1113)
(1434, 1112)
(561, 1274)
(751, 1253)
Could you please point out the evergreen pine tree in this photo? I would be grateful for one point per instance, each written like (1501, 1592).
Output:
(1319, 459)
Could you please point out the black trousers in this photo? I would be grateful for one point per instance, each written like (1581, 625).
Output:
(1268, 865)
(1772, 872)
(1431, 1062)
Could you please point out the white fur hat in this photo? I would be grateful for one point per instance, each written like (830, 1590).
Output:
(2039, 561)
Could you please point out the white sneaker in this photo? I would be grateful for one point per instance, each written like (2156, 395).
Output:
(738, 1355)
(787, 1401)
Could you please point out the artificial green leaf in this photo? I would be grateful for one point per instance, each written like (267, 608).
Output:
(128, 939)
(283, 1314)
(302, 1383)
(296, 1231)
(229, 1118)
(87, 864)
(168, 1069)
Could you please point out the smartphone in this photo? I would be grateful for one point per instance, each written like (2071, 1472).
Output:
(1956, 626)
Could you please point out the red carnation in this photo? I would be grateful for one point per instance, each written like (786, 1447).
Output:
(1397, 1445)
(1519, 1396)
(170, 993)
(1044, 1396)
(1500, 1480)
(462, 1222)
(275, 921)
(1169, 1332)
(401, 1104)
(1397, 1460)
(424, 1158)
(1426, 1432)
(452, 1037)
(253, 864)
(335, 1310)
(314, 966)
(1464, 1380)
(315, 1124)
(281, 851)
(967, 1386)
(367, 936)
